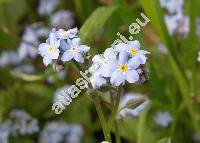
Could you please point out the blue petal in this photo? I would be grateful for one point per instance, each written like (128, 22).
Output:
(117, 78)
(55, 54)
(76, 42)
(123, 57)
(79, 57)
(66, 56)
(121, 47)
(46, 60)
(83, 48)
(134, 44)
(64, 45)
(134, 62)
(132, 76)
(53, 38)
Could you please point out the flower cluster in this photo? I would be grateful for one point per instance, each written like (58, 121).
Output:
(63, 45)
(4, 134)
(19, 123)
(175, 21)
(163, 118)
(17, 60)
(173, 6)
(62, 19)
(46, 7)
(57, 132)
(118, 64)
(30, 40)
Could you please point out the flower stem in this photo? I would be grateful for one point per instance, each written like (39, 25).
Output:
(117, 134)
(114, 111)
(102, 120)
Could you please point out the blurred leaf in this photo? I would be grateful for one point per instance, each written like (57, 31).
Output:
(164, 140)
(132, 104)
(83, 8)
(95, 22)
(6, 78)
(155, 13)
(5, 1)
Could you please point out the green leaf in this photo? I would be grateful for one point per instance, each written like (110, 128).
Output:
(95, 22)
(164, 140)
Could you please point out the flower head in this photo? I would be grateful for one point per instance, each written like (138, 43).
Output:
(124, 70)
(4, 136)
(62, 19)
(171, 23)
(163, 118)
(69, 34)
(49, 50)
(183, 25)
(22, 123)
(102, 62)
(132, 49)
(97, 80)
(173, 6)
(46, 7)
(73, 50)
(56, 132)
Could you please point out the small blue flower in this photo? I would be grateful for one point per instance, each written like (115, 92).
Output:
(69, 34)
(101, 63)
(3, 136)
(53, 132)
(124, 70)
(163, 118)
(105, 142)
(46, 7)
(62, 19)
(22, 123)
(171, 23)
(132, 49)
(131, 112)
(75, 134)
(173, 6)
(9, 59)
(183, 25)
(57, 132)
(49, 50)
(97, 80)
(73, 50)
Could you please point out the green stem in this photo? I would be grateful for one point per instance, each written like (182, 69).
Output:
(102, 119)
(117, 134)
(114, 111)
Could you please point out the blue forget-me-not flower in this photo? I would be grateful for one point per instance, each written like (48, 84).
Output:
(73, 50)
(50, 50)
(163, 118)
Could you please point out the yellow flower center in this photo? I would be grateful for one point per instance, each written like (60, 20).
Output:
(123, 68)
(65, 33)
(74, 49)
(51, 48)
(133, 52)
